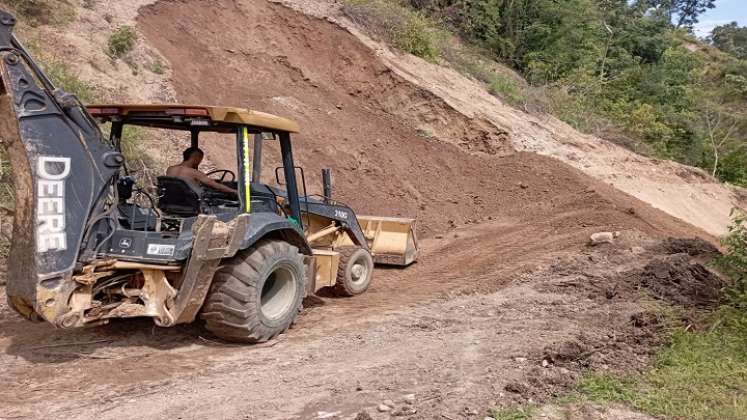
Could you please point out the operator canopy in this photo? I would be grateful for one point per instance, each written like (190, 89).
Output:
(192, 117)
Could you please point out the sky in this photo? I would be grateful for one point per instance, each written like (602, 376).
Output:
(726, 11)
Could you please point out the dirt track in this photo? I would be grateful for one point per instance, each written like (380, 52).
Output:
(505, 278)
(456, 334)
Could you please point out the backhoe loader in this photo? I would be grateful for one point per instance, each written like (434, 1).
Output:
(90, 246)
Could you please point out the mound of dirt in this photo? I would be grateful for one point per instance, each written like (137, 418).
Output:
(367, 123)
(680, 280)
(691, 246)
(684, 192)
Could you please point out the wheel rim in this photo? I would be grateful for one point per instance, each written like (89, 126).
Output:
(278, 294)
(359, 272)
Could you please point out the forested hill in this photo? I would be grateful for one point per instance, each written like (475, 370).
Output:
(632, 72)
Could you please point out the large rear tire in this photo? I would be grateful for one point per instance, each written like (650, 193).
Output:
(257, 294)
(355, 271)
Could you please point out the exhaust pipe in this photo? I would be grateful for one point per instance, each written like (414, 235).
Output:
(327, 184)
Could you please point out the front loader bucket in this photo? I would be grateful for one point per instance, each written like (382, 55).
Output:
(392, 240)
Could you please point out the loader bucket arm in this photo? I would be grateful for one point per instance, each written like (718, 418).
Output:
(62, 170)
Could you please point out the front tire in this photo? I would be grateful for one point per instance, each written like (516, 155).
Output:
(257, 294)
(355, 271)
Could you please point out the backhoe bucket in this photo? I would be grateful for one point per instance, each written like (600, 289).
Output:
(392, 239)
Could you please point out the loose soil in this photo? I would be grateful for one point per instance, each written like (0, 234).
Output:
(508, 302)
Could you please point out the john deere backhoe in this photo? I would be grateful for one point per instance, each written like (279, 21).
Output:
(88, 246)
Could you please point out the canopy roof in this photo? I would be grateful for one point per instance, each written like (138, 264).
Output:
(189, 117)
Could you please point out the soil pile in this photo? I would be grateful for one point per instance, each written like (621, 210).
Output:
(362, 120)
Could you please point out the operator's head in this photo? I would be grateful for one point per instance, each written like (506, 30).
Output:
(193, 156)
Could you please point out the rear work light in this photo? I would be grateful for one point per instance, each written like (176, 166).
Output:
(188, 112)
(103, 112)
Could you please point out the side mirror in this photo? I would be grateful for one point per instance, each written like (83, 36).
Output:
(278, 174)
(279, 170)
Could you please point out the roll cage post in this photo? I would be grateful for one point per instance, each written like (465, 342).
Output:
(246, 171)
(290, 178)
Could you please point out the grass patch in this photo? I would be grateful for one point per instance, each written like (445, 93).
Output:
(514, 413)
(65, 78)
(412, 31)
(132, 146)
(157, 67)
(506, 88)
(61, 74)
(43, 12)
(7, 201)
(7, 198)
(121, 42)
(399, 25)
(698, 376)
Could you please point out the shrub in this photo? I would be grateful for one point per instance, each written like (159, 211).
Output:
(506, 89)
(157, 67)
(121, 42)
(43, 11)
(734, 262)
(403, 27)
(417, 37)
(65, 78)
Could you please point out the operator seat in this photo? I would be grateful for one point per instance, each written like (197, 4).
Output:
(178, 196)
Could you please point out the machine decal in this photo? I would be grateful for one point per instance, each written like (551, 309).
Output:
(341, 214)
(50, 234)
(161, 249)
(247, 170)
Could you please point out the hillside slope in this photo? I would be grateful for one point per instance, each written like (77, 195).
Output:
(358, 116)
(682, 191)
(428, 99)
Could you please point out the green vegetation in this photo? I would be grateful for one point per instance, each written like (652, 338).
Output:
(734, 264)
(731, 39)
(157, 66)
(700, 375)
(63, 77)
(615, 68)
(132, 147)
(515, 413)
(121, 42)
(506, 88)
(61, 74)
(43, 12)
(404, 28)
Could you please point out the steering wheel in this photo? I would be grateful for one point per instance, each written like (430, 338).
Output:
(223, 173)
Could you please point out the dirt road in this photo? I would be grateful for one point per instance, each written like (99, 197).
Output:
(473, 316)
(464, 330)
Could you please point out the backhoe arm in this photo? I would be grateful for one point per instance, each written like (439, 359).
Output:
(62, 175)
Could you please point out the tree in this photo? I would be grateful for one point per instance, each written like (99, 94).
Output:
(686, 12)
(730, 39)
(720, 128)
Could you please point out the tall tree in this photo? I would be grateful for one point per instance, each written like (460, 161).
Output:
(731, 39)
(686, 12)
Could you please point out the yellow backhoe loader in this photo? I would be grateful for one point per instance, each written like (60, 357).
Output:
(86, 249)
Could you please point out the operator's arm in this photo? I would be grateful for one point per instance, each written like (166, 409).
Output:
(205, 180)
